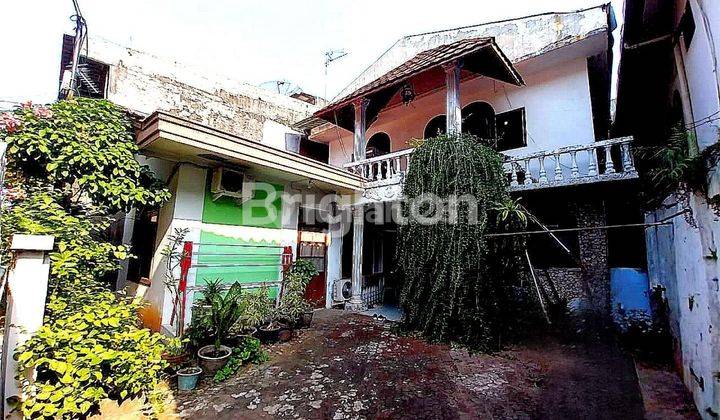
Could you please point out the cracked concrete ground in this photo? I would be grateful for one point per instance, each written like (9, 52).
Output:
(350, 367)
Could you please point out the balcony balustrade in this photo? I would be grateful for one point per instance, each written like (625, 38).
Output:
(606, 160)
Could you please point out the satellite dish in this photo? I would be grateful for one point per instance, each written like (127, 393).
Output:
(283, 87)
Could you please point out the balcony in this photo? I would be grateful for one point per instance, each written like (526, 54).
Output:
(603, 161)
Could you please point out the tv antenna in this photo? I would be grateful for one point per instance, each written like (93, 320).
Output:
(331, 56)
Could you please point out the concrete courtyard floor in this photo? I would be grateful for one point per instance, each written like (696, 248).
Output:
(350, 366)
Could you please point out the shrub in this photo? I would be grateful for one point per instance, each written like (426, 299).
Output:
(71, 168)
(90, 348)
(292, 302)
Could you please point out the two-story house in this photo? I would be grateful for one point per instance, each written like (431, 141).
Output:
(540, 85)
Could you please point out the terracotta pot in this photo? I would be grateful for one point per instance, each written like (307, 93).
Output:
(176, 359)
(211, 363)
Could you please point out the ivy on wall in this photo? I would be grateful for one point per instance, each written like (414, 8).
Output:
(459, 285)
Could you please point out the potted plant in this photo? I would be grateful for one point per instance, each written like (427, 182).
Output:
(188, 378)
(293, 307)
(220, 312)
(175, 353)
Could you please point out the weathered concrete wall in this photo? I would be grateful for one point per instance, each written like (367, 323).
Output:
(519, 39)
(683, 258)
(146, 83)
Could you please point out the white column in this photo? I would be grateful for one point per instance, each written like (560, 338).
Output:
(27, 286)
(453, 108)
(356, 302)
(360, 106)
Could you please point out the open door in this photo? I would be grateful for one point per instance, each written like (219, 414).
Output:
(312, 246)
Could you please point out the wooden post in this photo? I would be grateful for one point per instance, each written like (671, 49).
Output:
(27, 290)
(360, 106)
(356, 302)
(453, 109)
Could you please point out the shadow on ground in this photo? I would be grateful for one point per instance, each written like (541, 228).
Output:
(349, 366)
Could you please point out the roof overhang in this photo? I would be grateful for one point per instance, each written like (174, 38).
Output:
(480, 57)
(177, 139)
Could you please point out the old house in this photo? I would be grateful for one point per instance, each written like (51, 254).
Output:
(669, 77)
(539, 84)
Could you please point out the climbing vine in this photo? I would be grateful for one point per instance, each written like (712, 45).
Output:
(458, 285)
(71, 168)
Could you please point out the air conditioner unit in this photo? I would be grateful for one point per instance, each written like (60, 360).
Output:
(230, 183)
(342, 290)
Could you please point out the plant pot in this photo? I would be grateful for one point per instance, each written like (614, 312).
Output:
(306, 318)
(211, 362)
(175, 359)
(270, 333)
(188, 378)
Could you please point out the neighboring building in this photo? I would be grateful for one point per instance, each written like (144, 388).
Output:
(541, 85)
(192, 130)
(669, 75)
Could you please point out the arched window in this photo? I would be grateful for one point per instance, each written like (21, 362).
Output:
(378, 145)
(435, 127)
(478, 119)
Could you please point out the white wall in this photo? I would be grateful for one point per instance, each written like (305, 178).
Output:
(556, 100)
(701, 61)
(682, 258)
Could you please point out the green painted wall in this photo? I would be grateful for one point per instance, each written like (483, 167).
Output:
(237, 261)
(226, 211)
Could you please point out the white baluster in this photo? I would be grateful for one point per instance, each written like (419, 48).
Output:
(543, 175)
(513, 175)
(558, 168)
(574, 171)
(609, 165)
(592, 166)
(378, 170)
(627, 158)
(528, 177)
(397, 166)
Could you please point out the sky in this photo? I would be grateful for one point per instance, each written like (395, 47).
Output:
(250, 40)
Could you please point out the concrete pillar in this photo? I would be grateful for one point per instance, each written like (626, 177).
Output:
(27, 286)
(684, 90)
(594, 252)
(453, 107)
(360, 106)
(356, 302)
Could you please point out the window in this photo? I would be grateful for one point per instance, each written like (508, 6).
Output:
(435, 127)
(378, 145)
(687, 25)
(511, 129)
(478, 119)
(314, 150)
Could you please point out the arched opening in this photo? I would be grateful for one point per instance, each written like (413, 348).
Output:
(435, 127)
(378, 145)
(478, 119)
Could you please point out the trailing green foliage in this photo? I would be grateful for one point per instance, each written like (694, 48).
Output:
(667, 167)
(71, 167)
(457, 284)
(248, 351)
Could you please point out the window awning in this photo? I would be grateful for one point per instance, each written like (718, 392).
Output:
(480, 56)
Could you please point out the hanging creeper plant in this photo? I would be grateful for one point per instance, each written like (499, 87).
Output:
(458, 285)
